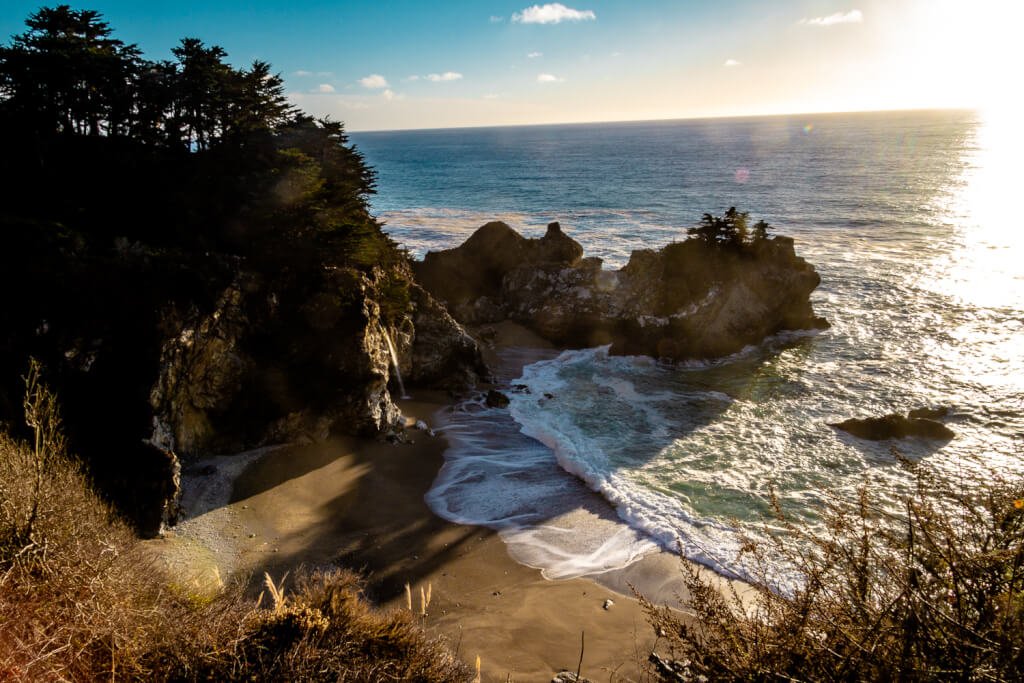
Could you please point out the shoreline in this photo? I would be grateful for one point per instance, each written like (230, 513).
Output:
(359, 503)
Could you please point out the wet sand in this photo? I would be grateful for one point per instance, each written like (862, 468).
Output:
(359, 503)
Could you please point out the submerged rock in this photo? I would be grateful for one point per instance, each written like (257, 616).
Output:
(687, 300)
(496, 399)
(895, 426)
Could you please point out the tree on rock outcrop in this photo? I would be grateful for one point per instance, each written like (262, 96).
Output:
(728, 230)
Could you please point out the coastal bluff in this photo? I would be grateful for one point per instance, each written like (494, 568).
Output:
(687, 300)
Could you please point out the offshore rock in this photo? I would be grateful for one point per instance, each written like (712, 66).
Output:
(686, 300)
(469, 277)
(895, 426)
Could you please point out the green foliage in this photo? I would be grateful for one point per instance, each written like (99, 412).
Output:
(934, 594)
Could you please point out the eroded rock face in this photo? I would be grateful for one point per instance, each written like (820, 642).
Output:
(687, 300)
(271, 364)
(442, 354)
(469, 277)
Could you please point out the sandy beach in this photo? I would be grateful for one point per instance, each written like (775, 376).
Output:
(358, 503)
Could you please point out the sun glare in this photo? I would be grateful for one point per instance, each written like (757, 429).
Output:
(987, 266)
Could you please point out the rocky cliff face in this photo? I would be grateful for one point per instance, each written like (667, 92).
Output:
(687, 300)
(260, 369)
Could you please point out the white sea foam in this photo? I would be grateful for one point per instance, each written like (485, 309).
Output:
(495, 476)
(923, 312)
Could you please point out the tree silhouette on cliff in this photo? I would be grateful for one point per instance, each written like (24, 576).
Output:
(135, 193)
(729, 230)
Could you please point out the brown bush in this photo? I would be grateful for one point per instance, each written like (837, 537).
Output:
(936, 593)
(80, 600)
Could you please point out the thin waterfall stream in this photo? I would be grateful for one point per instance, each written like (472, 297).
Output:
(394, 363)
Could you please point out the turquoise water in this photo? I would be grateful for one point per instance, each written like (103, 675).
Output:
(921, 280)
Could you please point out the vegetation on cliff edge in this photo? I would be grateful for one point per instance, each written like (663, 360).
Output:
(935, 593)
(81, 599)
(135, 192)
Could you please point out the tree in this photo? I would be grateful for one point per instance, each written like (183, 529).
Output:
(66, 75)
(760, 233)
(736, 226)
(257, 103)
(709, 229)
(201, 93)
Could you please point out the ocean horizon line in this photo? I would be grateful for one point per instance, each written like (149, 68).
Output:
(681, 119)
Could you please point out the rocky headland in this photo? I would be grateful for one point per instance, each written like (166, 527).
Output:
(690, 299)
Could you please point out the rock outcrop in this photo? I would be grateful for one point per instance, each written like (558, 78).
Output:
(260, 370)
(686, 300)
(896, 426)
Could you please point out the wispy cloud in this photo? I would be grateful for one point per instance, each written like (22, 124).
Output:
(497, 20)
(325, 88)
(552, 13)
(534, 55)
(414, 77)
(548, 78)
(854, 16)
(325, 74)
(491, 96)
(731, 62)
(374, 81)
(302, 73)
(389, 94)
(446, 76)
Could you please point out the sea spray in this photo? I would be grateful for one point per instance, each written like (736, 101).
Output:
(394, 362)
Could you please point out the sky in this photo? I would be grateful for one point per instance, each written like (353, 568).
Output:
(407, 64)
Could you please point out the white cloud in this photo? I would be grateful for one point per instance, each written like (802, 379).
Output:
(497, 20)
(374, 81)
(534, 55)
(731, 62)
(552, 13)
(414, 77)
(446, 76)
(302, 73)
(388, 95)
(854, 16)
(548, 78)
(325, 88)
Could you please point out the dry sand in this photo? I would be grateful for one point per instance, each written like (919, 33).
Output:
(359, 503)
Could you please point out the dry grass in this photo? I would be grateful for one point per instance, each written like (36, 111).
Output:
(79, 601)
(935, 594)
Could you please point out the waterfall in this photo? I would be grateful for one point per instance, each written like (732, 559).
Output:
(394, 362)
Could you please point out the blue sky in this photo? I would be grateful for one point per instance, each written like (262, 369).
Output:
(419, 64)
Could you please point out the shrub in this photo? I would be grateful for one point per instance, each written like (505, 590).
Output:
(82, 600)
(936, 593)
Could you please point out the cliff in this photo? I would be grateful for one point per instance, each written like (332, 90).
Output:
(690, 299)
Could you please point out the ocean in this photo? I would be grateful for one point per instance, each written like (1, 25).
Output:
(908, 218)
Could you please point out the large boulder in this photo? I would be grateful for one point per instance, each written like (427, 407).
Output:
(687, 300)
